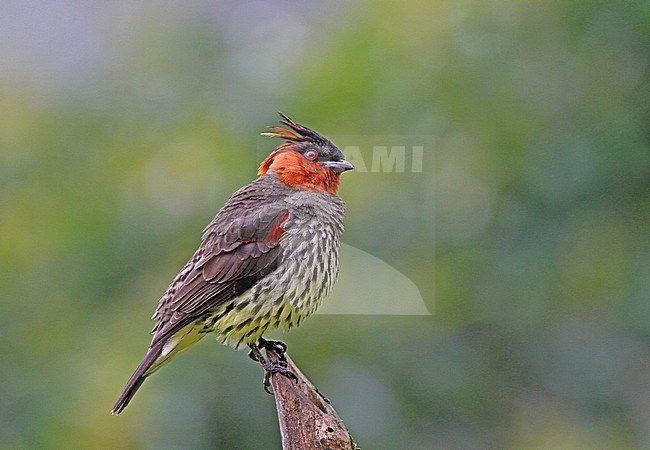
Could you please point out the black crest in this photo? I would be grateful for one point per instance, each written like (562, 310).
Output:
(296, 133)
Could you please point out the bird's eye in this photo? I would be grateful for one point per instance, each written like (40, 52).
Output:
(310, 155)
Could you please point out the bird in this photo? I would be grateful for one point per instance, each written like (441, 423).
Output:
(265, 261)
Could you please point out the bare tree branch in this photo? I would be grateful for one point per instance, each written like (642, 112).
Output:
(307, 419)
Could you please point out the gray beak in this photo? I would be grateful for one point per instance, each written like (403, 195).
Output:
(338, 166)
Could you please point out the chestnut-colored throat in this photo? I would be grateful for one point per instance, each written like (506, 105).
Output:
(294, 170)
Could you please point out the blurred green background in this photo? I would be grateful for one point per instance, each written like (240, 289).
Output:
(124, 126)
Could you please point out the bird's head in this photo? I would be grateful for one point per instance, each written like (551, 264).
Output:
(306, 160)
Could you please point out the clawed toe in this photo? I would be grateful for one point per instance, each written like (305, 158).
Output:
(279, 366)
(278, 347)
(276, 367)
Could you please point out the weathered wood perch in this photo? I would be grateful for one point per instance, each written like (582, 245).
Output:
(307, 419)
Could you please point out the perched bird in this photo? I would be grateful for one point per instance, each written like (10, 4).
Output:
(265, 261)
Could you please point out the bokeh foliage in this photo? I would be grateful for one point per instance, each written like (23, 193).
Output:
(124, 127)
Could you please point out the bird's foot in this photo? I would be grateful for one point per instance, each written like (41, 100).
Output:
(278, 347)
(270, 368)
(276, 367)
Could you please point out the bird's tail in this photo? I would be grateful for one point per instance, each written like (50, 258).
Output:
(138, 377)
(158, 354)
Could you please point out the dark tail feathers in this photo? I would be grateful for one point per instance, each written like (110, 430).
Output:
(137, 378)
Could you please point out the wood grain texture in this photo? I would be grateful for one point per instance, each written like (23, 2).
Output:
(307, 419)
